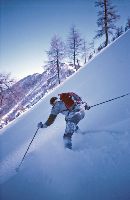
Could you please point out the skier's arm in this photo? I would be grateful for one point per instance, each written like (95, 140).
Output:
(54, 112)
(50, 119)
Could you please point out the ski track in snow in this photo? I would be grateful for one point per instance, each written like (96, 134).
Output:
(91, 140)
(11, 162)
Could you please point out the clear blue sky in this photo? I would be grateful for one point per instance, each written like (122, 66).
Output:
(27, 26)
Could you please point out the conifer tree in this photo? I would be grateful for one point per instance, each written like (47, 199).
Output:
(5, 83)
(119, 32)
(84, 51)
(74, 45)
(107, 18)
(56, 55)
(127, 24)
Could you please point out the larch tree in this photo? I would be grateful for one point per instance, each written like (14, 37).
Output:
(84, 51)
(127, 24)
(75, 43)
(5, 83)
(119, 32)
(107, 17)
(56, 55)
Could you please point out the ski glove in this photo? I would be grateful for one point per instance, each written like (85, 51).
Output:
(87, 107)
(41, 125)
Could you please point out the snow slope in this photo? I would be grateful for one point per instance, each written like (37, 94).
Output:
(99, 166)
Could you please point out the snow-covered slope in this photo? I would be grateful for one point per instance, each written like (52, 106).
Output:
(99, 166)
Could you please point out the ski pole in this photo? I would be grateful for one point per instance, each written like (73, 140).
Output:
(109, 100)
(27, 150)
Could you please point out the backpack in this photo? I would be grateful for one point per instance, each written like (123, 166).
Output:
(70, 99)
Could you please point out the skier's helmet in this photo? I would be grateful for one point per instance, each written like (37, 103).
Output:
(52, 100)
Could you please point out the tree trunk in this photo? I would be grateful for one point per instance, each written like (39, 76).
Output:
(58, 70)
(74, 55)
(106, 29)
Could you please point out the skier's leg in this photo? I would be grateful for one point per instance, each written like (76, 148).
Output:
(75, 119)
(72, 121)
(77, 116)
(67, 138)
(77, 130)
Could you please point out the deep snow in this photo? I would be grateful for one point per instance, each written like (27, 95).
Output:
(99, 165)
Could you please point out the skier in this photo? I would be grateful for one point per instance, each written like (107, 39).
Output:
(70, 105)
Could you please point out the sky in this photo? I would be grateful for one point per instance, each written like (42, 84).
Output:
(27, 26)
